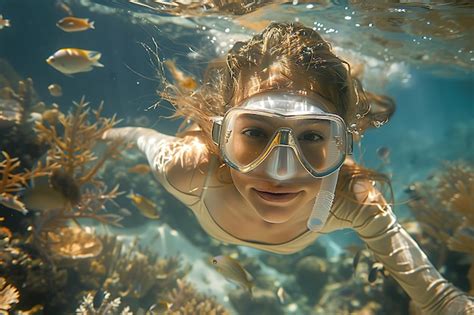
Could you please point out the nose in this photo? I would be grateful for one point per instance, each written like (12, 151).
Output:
(282, 163)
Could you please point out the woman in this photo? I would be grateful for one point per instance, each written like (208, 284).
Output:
(266, 162)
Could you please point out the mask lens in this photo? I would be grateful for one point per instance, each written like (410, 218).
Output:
(319, 143)
(245, 137)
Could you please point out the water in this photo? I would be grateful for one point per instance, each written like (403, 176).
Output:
(418, 53)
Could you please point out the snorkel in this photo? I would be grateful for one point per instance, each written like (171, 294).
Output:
(282, 154)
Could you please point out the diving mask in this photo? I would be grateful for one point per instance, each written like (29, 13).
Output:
(282, 133)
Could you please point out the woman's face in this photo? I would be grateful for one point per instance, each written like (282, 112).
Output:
(277, 201)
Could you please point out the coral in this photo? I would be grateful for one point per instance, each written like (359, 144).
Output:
(12, 181)
(106, 307)
(8, 295)
(312, 275)
(128, 271)
(444, 206)
(25, 98)
(77, 181)
(262, 302)
(186, 301)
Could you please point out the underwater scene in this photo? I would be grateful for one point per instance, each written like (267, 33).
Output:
(88, 225)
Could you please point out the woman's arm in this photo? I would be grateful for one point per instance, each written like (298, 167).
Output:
(404, 260)
(173, 160)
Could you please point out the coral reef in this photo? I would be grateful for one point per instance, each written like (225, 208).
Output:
(187, 301)
(17, 117)
(77, 180)
(444, 207)
(312, 275)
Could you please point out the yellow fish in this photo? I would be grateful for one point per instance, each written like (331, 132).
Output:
(74, 24)
(147, 207)
(232, 270)
(74, 60)
(4, 22)
(185, 82)
(159, 308)
(140, 169)
(55, 90)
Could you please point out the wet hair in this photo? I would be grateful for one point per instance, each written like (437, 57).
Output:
(284, 56)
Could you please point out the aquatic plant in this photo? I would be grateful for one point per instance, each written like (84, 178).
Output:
(8, 295)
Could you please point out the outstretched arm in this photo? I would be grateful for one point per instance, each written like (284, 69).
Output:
(174, 160)
(405, 261)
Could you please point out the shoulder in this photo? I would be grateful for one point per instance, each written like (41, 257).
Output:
(188, 166)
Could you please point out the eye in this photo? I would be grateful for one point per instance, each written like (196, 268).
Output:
(311, 137)
(254, 133)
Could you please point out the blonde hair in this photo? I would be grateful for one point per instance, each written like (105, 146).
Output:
(285, 56)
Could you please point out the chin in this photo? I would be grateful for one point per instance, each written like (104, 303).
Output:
(274, 215)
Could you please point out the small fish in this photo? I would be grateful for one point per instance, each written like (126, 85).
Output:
(232, 270)
(64, 7)
(4, 22)
(12, 202)
(44, 197)
(52, 115)
(55, 90)
(185, 82)
(74, 24)
(140, 169)
(383, 153)
(159, 308)
(125, 212)
(147, 207)
(374, 270)
(282, 296)
(74, 60)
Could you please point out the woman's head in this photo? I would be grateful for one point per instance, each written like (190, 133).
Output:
(284, 57)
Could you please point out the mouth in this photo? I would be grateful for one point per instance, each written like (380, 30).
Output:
(279, 197)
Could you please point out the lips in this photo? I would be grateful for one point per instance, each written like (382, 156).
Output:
(276, 196)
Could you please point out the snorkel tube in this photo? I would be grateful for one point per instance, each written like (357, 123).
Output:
(323, 202)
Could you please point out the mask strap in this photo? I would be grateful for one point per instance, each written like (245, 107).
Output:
(323, 202)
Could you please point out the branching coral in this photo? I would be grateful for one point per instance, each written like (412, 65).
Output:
(12, 181)
(106, 307)
(187, 301)
(8, 295)
(72, 139)
(444, 205)
(130, 272)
